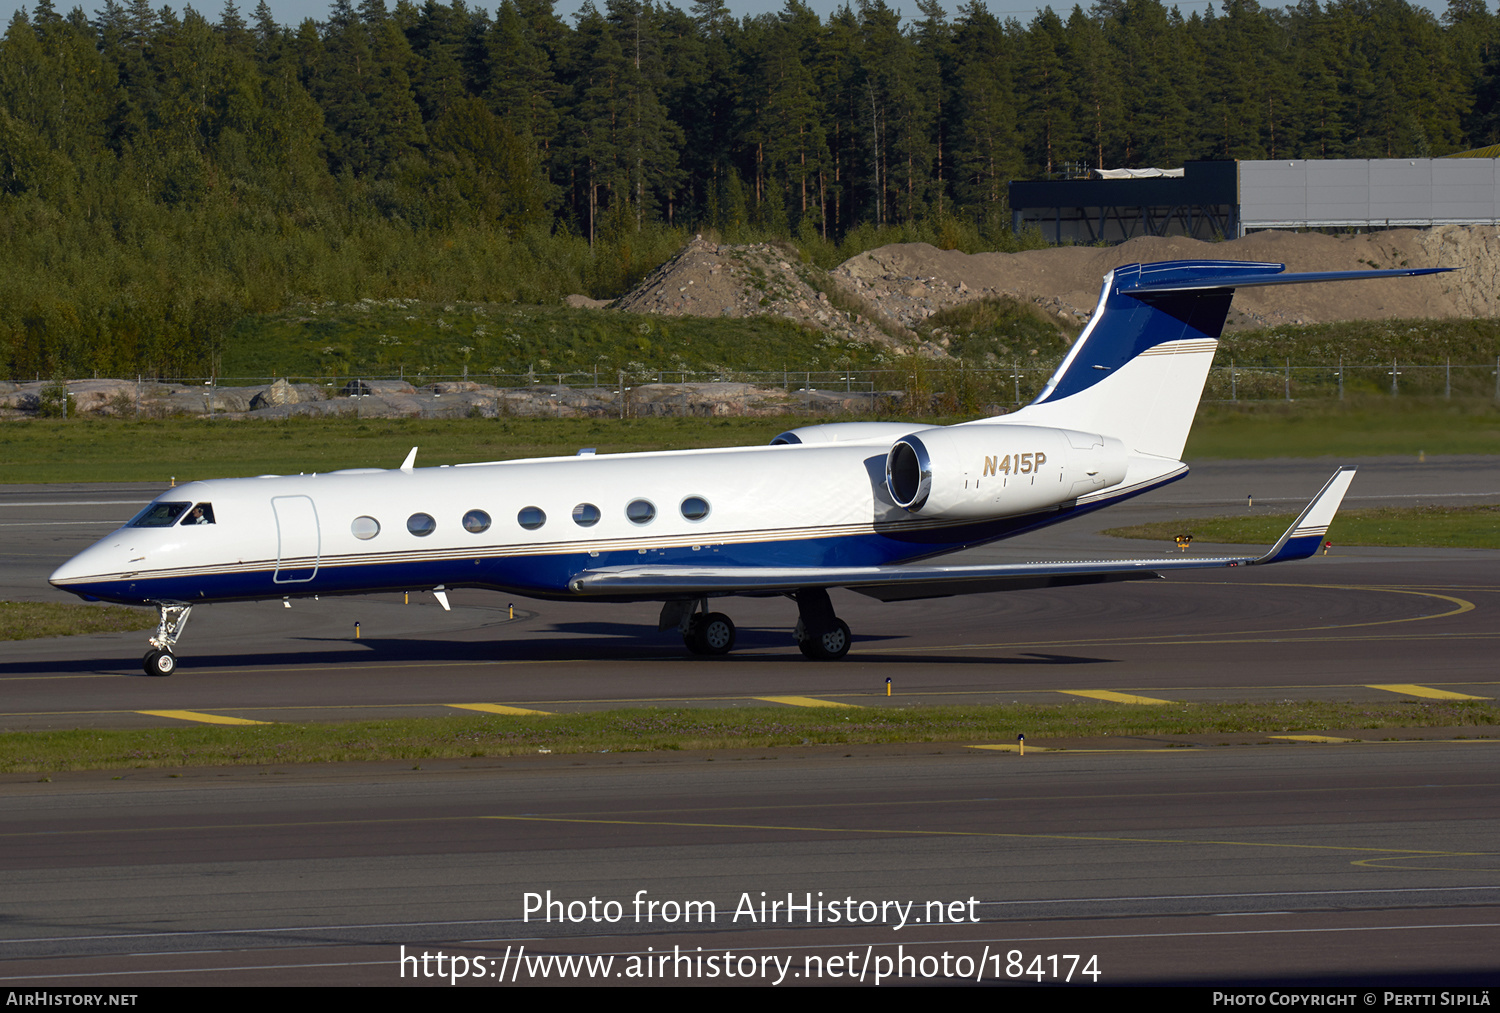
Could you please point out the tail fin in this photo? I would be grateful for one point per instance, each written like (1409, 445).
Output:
(1138, 369)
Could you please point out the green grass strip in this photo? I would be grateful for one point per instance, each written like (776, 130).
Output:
(656, 730)
(28, 620)
(1462, 527)
(1369, 425)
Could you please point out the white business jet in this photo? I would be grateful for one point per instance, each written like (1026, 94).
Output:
(851, 505)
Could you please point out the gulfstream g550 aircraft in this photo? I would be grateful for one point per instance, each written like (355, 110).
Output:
(849, 505)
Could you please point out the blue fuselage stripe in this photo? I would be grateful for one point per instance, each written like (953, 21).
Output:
(548, 576)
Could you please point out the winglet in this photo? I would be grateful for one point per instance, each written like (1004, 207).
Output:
(411, 460)
(1305, 535)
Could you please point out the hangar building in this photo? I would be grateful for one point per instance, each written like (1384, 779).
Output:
(1225, 200)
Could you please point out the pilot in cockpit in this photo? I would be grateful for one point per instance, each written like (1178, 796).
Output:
(203, 513)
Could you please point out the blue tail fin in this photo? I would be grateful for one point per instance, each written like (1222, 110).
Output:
(1138, 369)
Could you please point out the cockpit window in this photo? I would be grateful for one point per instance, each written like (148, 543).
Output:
(158, 515)
(203, 513)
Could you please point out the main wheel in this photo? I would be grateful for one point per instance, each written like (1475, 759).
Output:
(830, 646)
(710, 634)
(159, 662)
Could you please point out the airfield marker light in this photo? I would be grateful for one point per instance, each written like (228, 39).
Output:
(356, 629)
(406, 597)
(887, 685)
(512, 607)
(1421, 457)
(1183, 541)
(174, 482)
(1021, 742)
(1249, 500)
(1326, 547)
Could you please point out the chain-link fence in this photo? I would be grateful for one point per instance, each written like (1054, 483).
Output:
(953, 386)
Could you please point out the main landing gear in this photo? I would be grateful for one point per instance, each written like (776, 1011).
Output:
(821, 635)
(703, 632)
(160, 660)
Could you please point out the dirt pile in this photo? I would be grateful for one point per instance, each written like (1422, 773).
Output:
(888, 292)
(909, 282)
(718, 280)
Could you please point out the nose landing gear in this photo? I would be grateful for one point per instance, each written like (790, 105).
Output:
(160, 660)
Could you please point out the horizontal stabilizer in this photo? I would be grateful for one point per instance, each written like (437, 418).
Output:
(1219, 276)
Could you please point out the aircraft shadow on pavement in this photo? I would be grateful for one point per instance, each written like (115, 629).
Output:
(586, 642)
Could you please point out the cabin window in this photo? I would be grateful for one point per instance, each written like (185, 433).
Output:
(586, 515)
(365, 528)
(203, 513)
(531, 518)
(695, 508)
(158, 515)
(421, 525)
(640, 511)
(476, 522)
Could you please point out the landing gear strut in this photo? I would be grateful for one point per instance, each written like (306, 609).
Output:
(821, 635)
(160, 660)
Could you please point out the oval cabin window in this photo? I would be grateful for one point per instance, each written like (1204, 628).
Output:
(640, 511)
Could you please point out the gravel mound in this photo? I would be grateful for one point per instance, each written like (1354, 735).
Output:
(909, 282)
(718, 280)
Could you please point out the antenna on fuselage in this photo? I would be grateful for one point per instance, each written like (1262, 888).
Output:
(411, 459)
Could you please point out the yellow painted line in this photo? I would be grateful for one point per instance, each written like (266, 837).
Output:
(207, 719)
(1312, 738)
(1411, 689)
(1012, 747)
(495, 708)
(1113, 697)
(803, 701)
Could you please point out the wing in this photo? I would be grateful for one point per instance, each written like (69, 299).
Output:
(906, 582)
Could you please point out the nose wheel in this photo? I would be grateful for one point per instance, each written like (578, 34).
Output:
(160, 660)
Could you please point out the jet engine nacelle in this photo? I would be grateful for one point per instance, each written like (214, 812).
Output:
(999, 470)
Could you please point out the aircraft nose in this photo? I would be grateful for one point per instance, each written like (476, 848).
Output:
(80, 572)
(68, 575)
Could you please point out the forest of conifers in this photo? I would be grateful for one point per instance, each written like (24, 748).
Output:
(163, 174)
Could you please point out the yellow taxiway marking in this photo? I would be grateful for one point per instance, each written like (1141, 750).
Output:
(1312, 738)
(803, 701)
(199, 716)
(1411, 689)
(1113, 697)
(495, 708)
